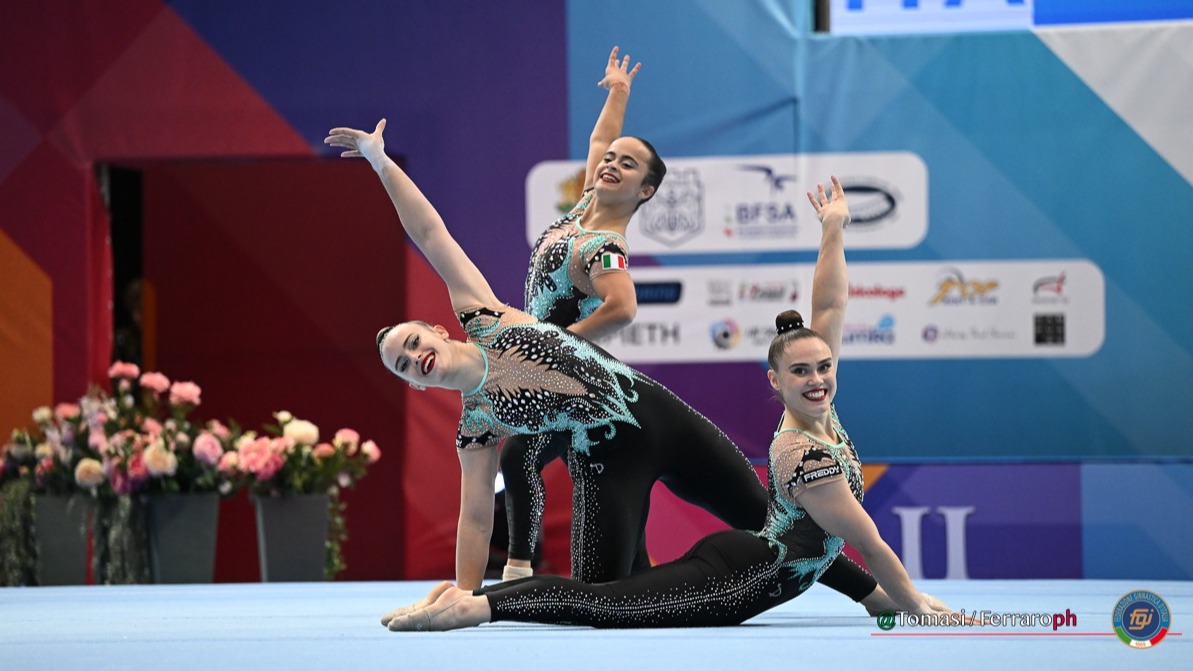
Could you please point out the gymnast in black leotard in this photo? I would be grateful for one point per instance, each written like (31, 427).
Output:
(519, 376)
(815, 489)
(624, 432)
(579, 280)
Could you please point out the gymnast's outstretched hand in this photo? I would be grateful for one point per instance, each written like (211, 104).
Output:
(618, 73)
(449, 608)
(417, 605)
(358, 143)
(879, 601)
(831, 207)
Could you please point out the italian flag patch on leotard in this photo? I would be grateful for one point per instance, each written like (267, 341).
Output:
(610, 260)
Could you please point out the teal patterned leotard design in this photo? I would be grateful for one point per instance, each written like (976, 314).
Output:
(563, 264)
(727, 577)
(540, 379)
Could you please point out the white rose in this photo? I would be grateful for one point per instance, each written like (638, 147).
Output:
(43, 414)
(89, 473)
(159, 461)
(283, 417)
(301, 432)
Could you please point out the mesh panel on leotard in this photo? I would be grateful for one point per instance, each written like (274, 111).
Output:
(565, 260)
(541, 378)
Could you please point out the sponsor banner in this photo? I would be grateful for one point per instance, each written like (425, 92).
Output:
(753, 203)
(886, 17)
(939, 309)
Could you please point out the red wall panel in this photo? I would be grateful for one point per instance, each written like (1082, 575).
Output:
(271, 279)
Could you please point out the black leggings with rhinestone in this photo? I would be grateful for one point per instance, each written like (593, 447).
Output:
(523, 459)
(611, 483)
(695, 460)
(725, 579)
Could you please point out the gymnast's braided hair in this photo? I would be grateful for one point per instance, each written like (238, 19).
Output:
(789, 327)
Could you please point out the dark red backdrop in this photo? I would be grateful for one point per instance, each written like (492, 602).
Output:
(270, 278)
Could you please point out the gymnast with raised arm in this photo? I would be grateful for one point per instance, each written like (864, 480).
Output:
(815, 490)
(579, 280)
(520, 376)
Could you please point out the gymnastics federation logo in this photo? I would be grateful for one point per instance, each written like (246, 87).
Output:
(676, 213)
(1141, 619)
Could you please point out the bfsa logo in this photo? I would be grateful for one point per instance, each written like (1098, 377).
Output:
(676, 213)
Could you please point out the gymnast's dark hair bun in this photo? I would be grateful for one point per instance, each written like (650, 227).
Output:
(788, 320)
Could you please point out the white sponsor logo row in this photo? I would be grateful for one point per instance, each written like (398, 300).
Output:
(753, 203)
(940, 309)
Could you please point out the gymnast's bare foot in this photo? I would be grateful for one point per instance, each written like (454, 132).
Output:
(421, 603)
(454, 609)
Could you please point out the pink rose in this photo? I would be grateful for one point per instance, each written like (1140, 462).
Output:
(230, 463)
(44, 466)
(208, 449)
(65, 411)
(137, 469)
(155, 382)
(219, 430)
(261, 458)
(89, 473)
(97, 441)
(324, 450)
(184, 392)
(371, 451)
(283, 446)
(159, 461)
(122, 370)
(152, 427)
(347, 439)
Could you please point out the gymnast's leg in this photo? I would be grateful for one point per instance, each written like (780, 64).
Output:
(523, 459)
(725, 579)
(708, 470)
(610, 496)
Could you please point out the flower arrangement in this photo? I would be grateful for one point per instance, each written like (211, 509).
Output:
(116, 448)
(108, 447)
(290, 460)
(121, 444)
(146, 441)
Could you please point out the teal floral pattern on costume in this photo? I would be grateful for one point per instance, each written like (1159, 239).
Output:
(541, 379)
(565, 260)
(799, 461)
